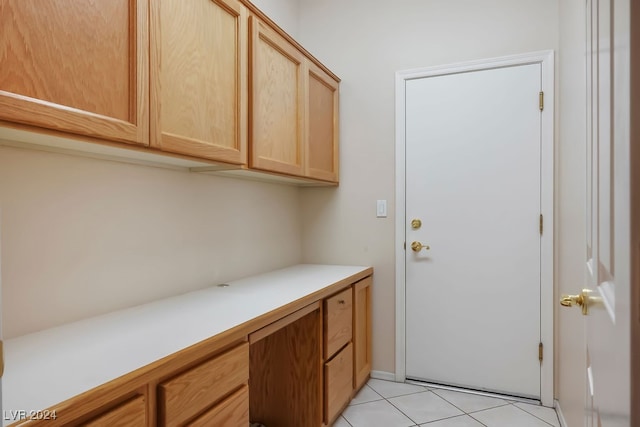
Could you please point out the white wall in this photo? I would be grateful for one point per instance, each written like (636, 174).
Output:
(365, 42)
(82, 237)
(285, 13)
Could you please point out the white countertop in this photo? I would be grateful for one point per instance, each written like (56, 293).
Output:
(50, 366)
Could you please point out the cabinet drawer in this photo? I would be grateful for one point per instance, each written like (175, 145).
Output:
(338, 321)
(191, 392)
(132, 413)
(338, 385)
(232, 412)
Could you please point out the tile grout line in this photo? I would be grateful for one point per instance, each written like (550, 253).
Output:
(441, 419)
(471, 412)
(534, 415)
(415, 423)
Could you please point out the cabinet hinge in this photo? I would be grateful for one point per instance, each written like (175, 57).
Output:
(405, 246)
(1, 358)
(541, 101)
(540, 351)
(541, 224)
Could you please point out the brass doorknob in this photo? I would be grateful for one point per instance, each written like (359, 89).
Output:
(417, 246)
(583, 299)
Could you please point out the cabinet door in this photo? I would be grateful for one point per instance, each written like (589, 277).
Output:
(362, 332)
(199, 78)
(277, 102)
(76, 66)
(321, 151)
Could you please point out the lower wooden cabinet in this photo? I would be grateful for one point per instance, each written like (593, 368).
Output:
(299, 369)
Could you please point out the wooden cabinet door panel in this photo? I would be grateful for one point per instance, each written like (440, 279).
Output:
(321, 154)
(362, 332)
(199, 78)
(76, 66)
(277, 102)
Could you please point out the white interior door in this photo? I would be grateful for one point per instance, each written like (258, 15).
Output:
(607, 292)
(473, 178)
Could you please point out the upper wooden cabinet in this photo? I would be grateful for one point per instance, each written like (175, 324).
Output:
(293, 109)
(203, 81)
(277, 102)
(199, 78)
(321, 153)
(76, 66)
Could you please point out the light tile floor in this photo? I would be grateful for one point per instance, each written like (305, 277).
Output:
(389, 404)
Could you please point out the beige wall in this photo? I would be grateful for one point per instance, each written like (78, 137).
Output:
(365, 42)
(285, 13)
(81, 237)
(570, 211)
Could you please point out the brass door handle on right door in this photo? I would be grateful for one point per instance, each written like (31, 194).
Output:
(583, 299)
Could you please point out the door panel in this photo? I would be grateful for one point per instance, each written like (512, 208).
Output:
(199, 78)
(473, 178)
(608, 257)
(277, 102)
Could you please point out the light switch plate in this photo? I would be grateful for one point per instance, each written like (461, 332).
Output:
(381, 208)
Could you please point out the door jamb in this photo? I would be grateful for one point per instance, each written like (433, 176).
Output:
(546, 60)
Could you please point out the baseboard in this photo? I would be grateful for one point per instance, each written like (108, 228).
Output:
(563, 423)
(382, 375)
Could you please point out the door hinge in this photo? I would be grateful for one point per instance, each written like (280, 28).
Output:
(405, 246)
(540, 351)
(541, 224)
(1, 358)
(541, 101)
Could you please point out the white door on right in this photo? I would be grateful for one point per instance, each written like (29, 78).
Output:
(605, 298)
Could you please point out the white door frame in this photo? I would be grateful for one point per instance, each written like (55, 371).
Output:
(546, 59)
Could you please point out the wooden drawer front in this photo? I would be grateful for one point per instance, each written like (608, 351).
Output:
(188, 394)
(232, 412)
(132, 413)
(338, 385)
(337, 322)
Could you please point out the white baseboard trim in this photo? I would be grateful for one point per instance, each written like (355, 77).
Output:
(382, 375)
(563, 423)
